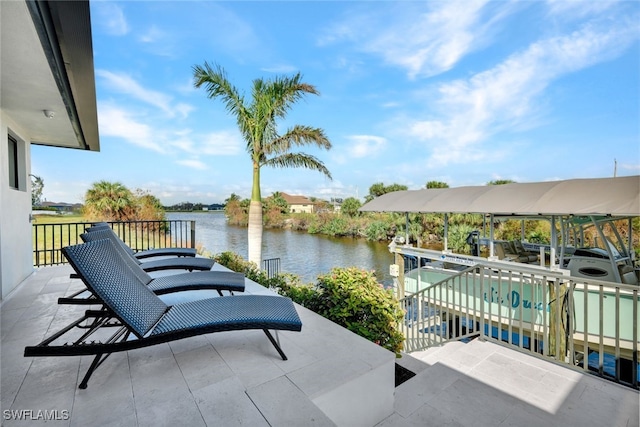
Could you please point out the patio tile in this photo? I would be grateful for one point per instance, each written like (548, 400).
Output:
(428, 415)
(473, 403)
(325, 375)
(108, 398)
(157, 381)
(50, 386)
(226, 403)
(175, 411)
(395, 420)
(202, 366)
(426, 385)
(284, 404)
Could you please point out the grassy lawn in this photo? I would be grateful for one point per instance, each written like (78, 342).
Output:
(54, 232)
(57, 219)
(47, 240)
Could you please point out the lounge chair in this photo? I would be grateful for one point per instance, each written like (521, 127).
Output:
(180, 263)
(141, 319)
(198, 280)
(149, 253)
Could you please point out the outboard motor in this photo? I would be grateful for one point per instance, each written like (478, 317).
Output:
(473, 240)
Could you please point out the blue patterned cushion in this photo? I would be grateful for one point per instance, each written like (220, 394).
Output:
(104, 271)
(228, 280)
(108, 234)
(231, 313)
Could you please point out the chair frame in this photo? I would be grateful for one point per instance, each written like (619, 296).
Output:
(141, 319)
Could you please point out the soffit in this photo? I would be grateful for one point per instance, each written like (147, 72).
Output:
(27, 83)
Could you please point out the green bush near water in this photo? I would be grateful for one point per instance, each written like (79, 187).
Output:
(350, 297)
(353, 298)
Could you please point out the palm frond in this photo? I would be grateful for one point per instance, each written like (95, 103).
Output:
(298, 135)
(216, 83)
(298, 160)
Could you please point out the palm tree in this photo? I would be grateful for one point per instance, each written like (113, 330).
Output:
(271, 100)
(109, 201)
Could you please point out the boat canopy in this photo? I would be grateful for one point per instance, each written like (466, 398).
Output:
(619, 197)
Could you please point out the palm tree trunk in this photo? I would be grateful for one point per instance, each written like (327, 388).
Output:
(255, 233)
(255, 220)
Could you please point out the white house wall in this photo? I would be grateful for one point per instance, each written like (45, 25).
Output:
(16, 253)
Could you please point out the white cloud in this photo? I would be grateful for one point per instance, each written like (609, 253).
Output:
(223, 143)
(630, 167)
(154, 134)
(427, 39)
(111, 17)
(574, 9)
(159, 42)
(193, 164)
(182, 109)
(187, 87)
(124, 83)
(507, 96)
(117, 122)
(153, 35)
(365, 145)
(428, 53)
(281, 69)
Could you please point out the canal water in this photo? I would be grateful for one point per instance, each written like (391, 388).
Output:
(306, 255)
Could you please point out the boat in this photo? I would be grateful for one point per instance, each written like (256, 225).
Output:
(582, 288)
(584, 216)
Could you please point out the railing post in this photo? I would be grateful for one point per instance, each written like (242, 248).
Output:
(399, 260)
(193, 234)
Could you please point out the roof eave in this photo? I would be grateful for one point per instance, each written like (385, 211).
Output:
(64, 30)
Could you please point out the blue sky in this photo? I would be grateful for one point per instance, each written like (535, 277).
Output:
(460, 92)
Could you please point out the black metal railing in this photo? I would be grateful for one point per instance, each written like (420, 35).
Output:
(49, 239)
(271, 267)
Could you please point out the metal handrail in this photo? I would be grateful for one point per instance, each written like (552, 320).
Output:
(49, 239)
(271, 266)
(585, 324)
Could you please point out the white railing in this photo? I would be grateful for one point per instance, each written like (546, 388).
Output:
(589, 325)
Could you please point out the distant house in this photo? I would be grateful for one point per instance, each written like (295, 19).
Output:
(298, 204)
(61, 207)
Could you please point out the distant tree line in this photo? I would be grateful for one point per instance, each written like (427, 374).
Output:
(424, 229)
(188, 207)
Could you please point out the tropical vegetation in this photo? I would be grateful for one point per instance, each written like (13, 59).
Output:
(350, 297)
(113, 201)
(271, 100)
(37, 187)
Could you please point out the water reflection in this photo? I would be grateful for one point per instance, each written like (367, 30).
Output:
(304, 254)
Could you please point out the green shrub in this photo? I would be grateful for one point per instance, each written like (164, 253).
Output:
(336, 226)
(235, 262)
(353, 298)
(458, 234)
(350, 297)
(377, 231)
(350, 206)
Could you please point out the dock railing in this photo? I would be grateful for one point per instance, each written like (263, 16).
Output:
(49, 239)
(585, 324)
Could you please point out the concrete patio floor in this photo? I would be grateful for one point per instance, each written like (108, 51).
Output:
(332, 377)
